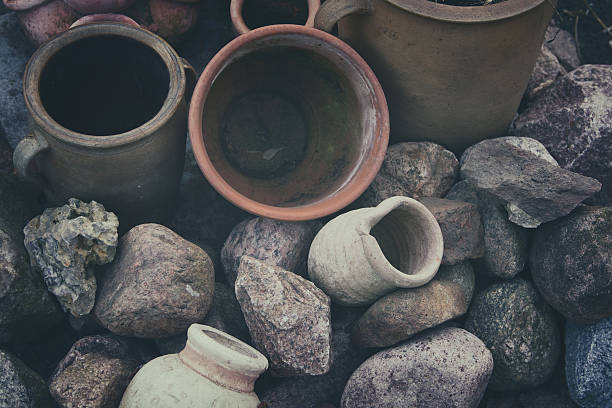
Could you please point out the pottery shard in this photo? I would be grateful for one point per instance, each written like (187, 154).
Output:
(20, 387)
(412, 169)
(546, 70)
(563, 46)
(571, 264)
(533, 188)
(65, 243)
(158, 285)
(457, 362)
(288, 318)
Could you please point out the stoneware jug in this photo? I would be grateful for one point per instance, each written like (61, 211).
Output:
(361, 255)
(270, 10)
(214, 370)
(453, 75)
(108, 104)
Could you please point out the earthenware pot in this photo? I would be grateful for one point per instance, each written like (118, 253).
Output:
(99, 6)
(453, 75)
(97, 18)
(363, 254)
(269, 11)
(108, 104)
(288, 122)
(44, 21)
(214, 370)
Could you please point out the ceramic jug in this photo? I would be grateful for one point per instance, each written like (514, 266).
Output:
(363, 254)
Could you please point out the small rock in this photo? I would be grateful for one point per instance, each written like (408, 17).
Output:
(20, 387)
(413, 170)
(64, 243)
(520, 330)
(533, 189)
(289, 320)
(446, 367)
(563, 46)
(546, 70)
(158, 285)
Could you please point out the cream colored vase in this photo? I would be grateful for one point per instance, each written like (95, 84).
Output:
(364, 254)
(214, 370)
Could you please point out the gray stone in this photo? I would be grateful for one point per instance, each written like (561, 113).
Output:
(546, 70)
(158, 285)
(422, 169)
(521, 331)
(65, 243)
(588, 363)
(505, 243)
(405, 312)
(20, 387)
(288, 318)
(563, 46)
(446, 367)
(533, 189)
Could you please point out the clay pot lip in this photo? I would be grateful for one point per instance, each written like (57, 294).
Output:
(40, 58)
(16, 5)
(104, 17)
(361, 179)
(241, 27)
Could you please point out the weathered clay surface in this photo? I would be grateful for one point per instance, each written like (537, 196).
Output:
(47, 20)
(521, 331)
(546, 70)
(446, 367)
(20, 387)
(158, 285)
(571, 264)
(65, 243)
(289, 321)
(563, 46)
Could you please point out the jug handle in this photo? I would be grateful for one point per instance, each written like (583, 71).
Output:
(192, 78)
(27, 149)
(332, 11)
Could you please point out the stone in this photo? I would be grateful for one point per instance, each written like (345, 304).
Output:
(405, 312)
(562, 44)
(281, 243)
(289, 320)
(461, 228)
(65, 243)
(94, 374)
(158, 285)
(412, 169)
(533, 189)
(572, 120)
(546, 70)
(521, 331)
(20, 387)
(588, 363)
(505, 243)
(446, 367)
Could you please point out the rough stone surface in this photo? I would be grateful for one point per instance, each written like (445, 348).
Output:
(158, 285)
(572, 119)
(546, 70)
(405, 312)
(521, 331)
(505, 243)
(65, 243)
(563, 46)
(289, 321)
(461, 228)
(280, 243)
(446, 367)
(94, 374)
(588, 363)
(422, 169)
(533, 189)
(20, 387)
(571, 264)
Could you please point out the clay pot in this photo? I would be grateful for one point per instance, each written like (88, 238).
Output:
(213, 370)
(99, 6)
(108, 17)
(361, 255)
(169, 19)
(269, 12)
(41, 23)
(288, 122)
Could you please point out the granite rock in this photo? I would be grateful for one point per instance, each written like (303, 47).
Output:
(562, 44)
(546, 70)
(20, 387)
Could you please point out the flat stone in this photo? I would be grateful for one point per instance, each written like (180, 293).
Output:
(288, 318)
(546, 70)
(563, 46)
(20, 387)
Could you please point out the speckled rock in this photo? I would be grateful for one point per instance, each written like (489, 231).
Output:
(521, 331)
(563, 46)
(20, 387)
(158, 285)
(546, 70)
(422, 169)
(446, 367)
(588, 363)
(289, 320)
(405, 312)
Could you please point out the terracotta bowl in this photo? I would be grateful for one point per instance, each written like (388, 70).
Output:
(289, 122)
(267, 12)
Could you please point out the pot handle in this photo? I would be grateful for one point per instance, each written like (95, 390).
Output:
(192, 78)
(27, 149)
(332, 11)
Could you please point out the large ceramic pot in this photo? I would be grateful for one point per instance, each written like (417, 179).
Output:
(269, 12)
(214, 370)
(108, 104)
(288, 122)
(453, 75)
(363, 254)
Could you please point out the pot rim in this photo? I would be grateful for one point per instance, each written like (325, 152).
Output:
(40, 58)
(242, 28)
(361, 179)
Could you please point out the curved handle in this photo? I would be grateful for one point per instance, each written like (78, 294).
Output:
(241, 28)
(333, 10)
(192, 78)
(27, 149)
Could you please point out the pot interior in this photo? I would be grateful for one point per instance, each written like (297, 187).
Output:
(259, 13)
(104, 85)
